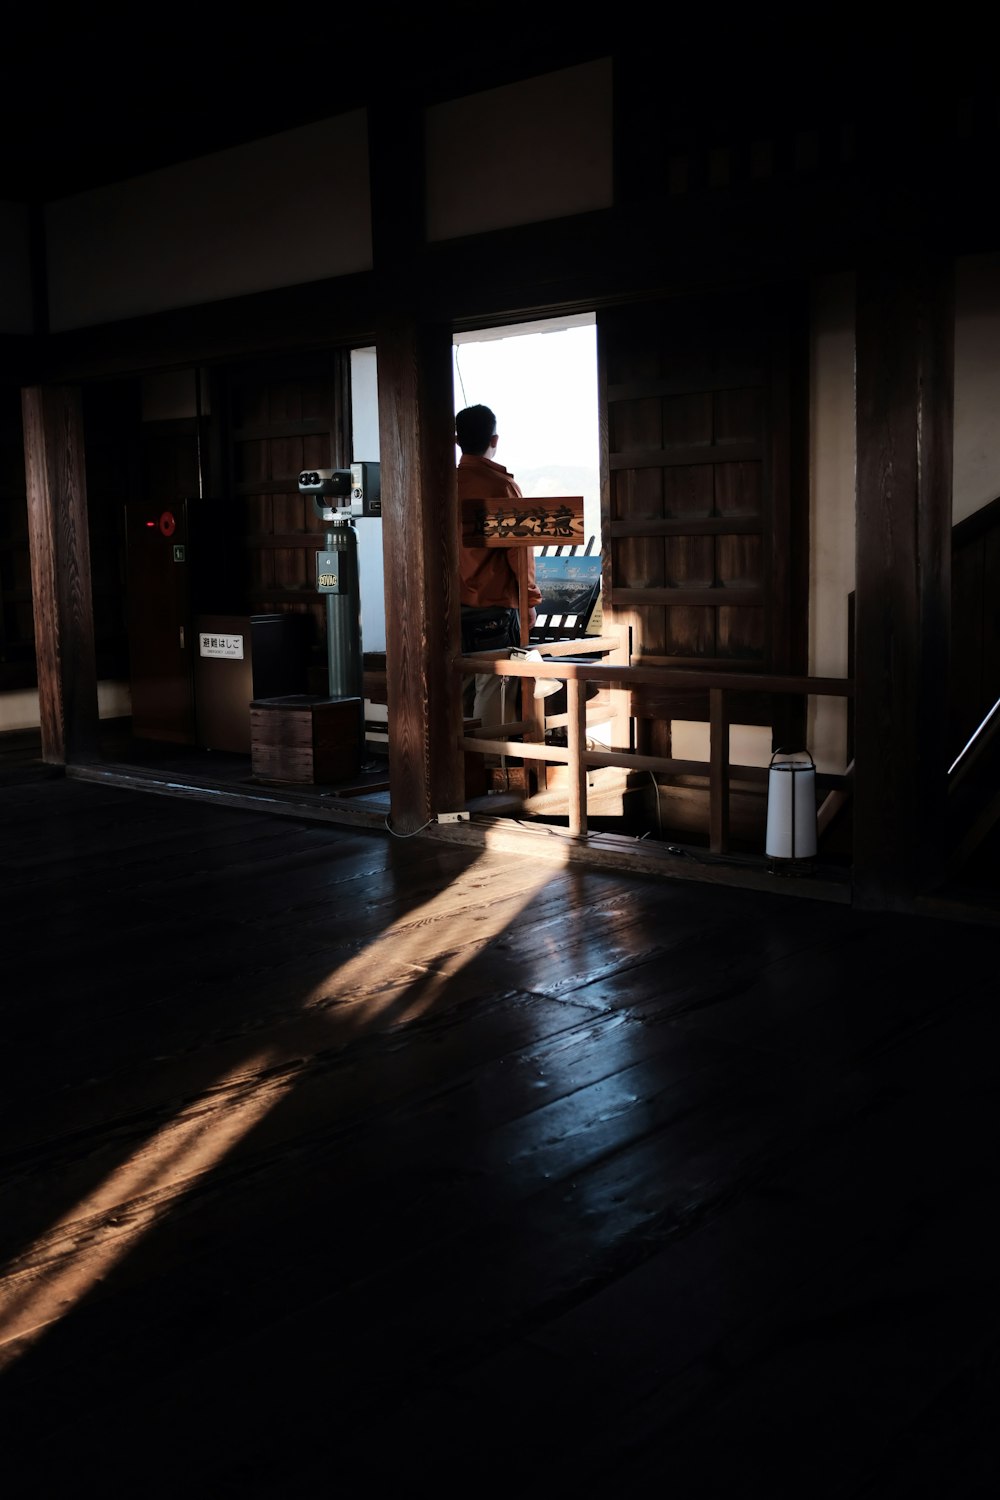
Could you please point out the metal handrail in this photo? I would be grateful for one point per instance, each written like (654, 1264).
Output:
(974, 740)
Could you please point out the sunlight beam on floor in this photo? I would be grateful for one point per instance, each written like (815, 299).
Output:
(418, 955)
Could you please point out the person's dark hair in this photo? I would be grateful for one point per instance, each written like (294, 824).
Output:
(474, 427)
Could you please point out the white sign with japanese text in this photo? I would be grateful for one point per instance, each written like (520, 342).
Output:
(229, 646)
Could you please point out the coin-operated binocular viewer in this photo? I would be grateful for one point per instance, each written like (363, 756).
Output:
(339, 495)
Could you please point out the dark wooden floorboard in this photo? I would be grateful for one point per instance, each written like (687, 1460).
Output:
(334, 1161)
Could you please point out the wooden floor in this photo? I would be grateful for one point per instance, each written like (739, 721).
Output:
(339, 1163)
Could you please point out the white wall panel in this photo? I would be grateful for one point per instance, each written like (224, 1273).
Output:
(977, 384)
(284, 210)
(530, 151)
(832, 485)
(365, 449)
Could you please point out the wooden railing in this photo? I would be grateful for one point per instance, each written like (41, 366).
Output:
(525, 738)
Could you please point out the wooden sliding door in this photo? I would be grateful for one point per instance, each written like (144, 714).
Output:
(705, 487)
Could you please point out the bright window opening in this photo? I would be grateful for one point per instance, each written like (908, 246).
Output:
(541, 381)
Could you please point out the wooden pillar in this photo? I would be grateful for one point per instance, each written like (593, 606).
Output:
(60, 572)
(420, 549)
(413, 351)
(718, 780)
(904, 381)
(576, 740)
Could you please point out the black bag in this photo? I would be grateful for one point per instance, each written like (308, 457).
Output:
(490, 629)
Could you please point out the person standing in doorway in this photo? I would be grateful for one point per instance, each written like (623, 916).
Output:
(488, 581)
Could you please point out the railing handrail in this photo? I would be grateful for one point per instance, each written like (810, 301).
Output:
(499, 663)
(975, 741)
(577, 757)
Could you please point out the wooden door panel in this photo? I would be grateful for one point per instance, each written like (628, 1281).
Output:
(690, 632)
(250, 461)
(638, 551)
(290, 569)
(698, 426)
(286, 415)
(315, 451)
(690, 562)
(738, 489)
(284, 400)
(638, 493)
(738, 561)
(740, 633)
(738, 416)
(285, 459)
(639, 563)
(288, 512)
(315, 400)
(688, 490)
(636, 425)
(687, 419)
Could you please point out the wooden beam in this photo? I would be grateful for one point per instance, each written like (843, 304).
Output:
(905, 406)
(60, 571)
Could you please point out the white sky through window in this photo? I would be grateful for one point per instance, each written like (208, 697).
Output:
(541, 380)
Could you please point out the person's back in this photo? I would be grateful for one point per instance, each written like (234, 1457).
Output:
(488, 580)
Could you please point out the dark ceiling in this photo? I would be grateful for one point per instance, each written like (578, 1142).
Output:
(84, 101)
(87, 98)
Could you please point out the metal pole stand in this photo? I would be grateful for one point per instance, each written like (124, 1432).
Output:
(338, 579)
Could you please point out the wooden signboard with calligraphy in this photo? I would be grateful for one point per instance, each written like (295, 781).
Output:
(536, 521)
(545, 521)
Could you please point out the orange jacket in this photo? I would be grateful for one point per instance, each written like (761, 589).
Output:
(486, 574)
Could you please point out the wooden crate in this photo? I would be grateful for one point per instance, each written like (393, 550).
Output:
(305, 740)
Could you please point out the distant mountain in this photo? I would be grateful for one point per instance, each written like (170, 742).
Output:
(561, 479)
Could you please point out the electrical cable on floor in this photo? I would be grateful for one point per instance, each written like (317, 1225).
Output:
(543, 827)
(412, 835)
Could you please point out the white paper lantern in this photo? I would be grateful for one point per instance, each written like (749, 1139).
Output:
(791, 806)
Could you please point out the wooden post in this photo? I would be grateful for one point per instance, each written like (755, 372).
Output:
(60, 572)
(420, 550)
(416, 401)
(905, 404)
(576, 733)
(718, 778)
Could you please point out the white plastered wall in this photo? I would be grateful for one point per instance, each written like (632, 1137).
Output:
(977, 383)
(19, 709)
(288, 209)
(832, 477)
(529, 151)
(365, 449)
